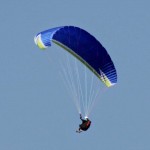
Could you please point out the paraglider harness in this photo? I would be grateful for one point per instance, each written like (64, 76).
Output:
(85, 124)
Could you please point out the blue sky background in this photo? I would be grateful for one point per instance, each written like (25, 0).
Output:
(36, 112)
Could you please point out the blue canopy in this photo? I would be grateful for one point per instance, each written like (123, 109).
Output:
(84, 47)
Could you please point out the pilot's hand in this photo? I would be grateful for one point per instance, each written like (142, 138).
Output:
(80, 116)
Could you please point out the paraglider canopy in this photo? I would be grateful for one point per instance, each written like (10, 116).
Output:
(85, 47)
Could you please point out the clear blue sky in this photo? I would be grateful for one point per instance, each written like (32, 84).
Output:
(36, 113)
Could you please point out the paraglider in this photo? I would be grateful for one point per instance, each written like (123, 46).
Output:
(85, 124)
(86, 49)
